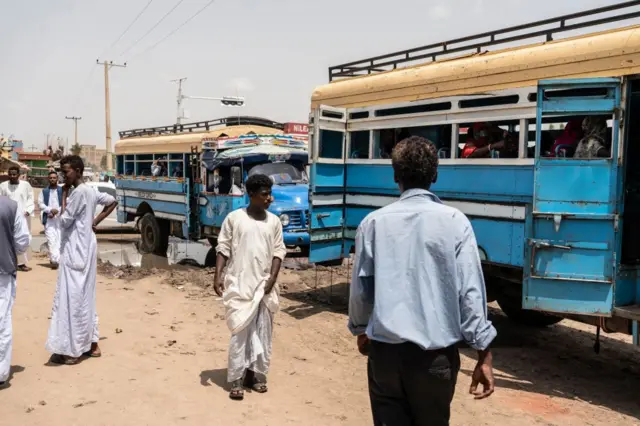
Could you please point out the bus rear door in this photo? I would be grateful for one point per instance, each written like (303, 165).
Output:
(570, 262)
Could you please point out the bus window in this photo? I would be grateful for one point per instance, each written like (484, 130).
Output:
(331, 144)
(359, 144)
(575, 137)
(384, 140)
(489, 140)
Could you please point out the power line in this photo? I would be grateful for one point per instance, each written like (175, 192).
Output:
(152, 28)
(177, 29)
(128, 28)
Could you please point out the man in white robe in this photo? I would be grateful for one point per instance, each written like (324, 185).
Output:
(251, 245)
(50, 203)
(21, 192)
(73, 331)
(14, 238)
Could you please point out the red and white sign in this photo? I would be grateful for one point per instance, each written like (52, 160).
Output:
(296, 128)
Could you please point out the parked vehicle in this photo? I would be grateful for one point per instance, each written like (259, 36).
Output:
(189, 198)
(558, 235)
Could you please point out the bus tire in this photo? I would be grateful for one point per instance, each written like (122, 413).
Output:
(213, 241)
(511, 305)
(154, 235)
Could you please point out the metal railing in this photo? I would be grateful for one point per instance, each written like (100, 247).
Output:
(200, 126)
(478, 42)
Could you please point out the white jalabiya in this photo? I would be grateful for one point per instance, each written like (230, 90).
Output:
(21, 193)
(21, 240)
(74, 321)
(250, 245)
(52, 227)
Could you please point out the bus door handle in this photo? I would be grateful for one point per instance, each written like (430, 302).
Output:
(537, 244)
(321, 216)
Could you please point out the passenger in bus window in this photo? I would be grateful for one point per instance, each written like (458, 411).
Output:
(594, 142)
(177, 172)
(485, 137)
(567, 142)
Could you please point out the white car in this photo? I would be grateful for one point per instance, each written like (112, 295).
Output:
(107, 187)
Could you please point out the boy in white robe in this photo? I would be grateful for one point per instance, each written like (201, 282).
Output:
(15, 238)
(21, 192)
(50, 203)
(73, 331)
(251, 245)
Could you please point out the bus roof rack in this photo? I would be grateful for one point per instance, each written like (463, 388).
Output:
(201, 126)
(476, 43)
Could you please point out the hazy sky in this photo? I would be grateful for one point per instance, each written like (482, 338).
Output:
(273, 52)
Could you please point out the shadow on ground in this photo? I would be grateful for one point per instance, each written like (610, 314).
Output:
(557, 361)
(217, 377)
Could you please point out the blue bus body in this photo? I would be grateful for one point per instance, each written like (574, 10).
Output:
(557, 236)
(188, 207)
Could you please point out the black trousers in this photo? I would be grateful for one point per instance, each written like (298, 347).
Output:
(409, 386)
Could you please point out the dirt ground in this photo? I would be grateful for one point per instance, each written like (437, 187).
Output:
(165, 341)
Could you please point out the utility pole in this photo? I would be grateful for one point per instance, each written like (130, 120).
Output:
(75, 125)
(107, 107)
(179, 116)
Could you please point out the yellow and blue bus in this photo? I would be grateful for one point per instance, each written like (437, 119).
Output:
(557, 232)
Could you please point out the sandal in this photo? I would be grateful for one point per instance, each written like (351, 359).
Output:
(253, 383)
(236, 393)
(63, 360)
(94, 352)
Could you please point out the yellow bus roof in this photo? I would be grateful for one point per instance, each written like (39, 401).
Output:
(181, 143)
(611, 53)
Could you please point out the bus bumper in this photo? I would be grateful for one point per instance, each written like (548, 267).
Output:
(296, 239)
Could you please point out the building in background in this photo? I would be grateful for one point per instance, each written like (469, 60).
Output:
(92, 155)
(36, 161)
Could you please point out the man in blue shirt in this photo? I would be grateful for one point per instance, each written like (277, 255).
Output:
(417, 291)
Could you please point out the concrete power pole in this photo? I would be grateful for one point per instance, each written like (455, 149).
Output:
(75, 125)
(107, 108)
(180, 98)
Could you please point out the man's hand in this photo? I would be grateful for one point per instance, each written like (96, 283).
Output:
(50, 215)
(364, 344)
(218, 286)
(483, 374)
(271, 282)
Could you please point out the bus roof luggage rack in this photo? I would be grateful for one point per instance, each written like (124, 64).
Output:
(477, 42)
(201, 126)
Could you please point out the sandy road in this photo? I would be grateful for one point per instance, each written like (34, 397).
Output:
(167, 365)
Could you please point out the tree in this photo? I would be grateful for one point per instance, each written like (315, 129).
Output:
(103, 162)
(76, 149)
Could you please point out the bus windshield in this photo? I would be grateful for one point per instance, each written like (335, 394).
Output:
(280, 173)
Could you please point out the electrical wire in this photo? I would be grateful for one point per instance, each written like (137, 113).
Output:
(176, 30)
(152, 28)
(128, 28)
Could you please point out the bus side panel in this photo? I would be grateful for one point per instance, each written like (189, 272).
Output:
(166, 199)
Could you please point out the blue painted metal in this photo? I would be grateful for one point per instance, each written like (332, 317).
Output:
(570, 262)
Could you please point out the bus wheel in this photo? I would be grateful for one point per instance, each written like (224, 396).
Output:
(511, 305)
(213, 241)
(154, 235)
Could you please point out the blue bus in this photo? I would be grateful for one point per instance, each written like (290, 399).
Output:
(557, 230)
(183, 180)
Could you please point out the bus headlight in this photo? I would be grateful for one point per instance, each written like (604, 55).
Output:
(284, 219)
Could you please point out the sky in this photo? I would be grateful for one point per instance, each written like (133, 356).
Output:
(272, 52)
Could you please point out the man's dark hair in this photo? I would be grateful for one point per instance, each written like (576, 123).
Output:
(257, 183)
(74, 161)
(53, 173)
(16, 168)
(415, 162)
